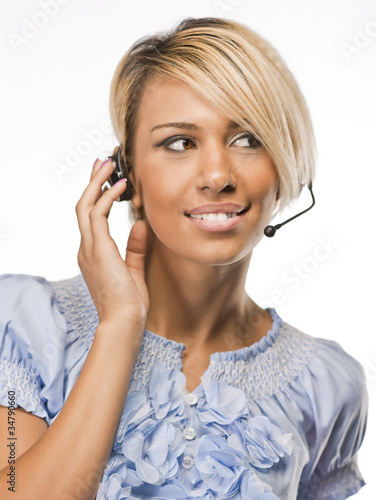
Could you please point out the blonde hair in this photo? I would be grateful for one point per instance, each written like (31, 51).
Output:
(237, 70)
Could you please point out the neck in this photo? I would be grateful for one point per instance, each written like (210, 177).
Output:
(200, 305)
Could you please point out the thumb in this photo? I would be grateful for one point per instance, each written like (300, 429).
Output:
(136, 249)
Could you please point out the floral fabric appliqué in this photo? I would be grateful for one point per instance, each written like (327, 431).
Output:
(261, 440)
(146, 460)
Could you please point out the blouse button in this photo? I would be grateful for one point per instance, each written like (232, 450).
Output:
(188, 462)
(192, 399)
(189, 433)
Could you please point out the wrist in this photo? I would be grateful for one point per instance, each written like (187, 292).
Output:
(123, 316)
(129, 330)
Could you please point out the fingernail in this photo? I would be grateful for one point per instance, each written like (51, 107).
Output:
(121, 180)
(109, 159)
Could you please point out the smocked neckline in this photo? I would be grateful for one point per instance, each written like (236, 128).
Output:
(235, 355)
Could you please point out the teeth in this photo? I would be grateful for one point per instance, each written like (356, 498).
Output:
(214, 217)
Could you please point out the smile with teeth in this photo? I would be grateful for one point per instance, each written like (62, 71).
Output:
(215, 216)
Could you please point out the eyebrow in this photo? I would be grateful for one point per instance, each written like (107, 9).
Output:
(189, 126)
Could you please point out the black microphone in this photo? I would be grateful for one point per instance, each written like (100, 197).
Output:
(270, 231)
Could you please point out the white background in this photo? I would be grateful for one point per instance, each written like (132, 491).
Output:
(54, 91)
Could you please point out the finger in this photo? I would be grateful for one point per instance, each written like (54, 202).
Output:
(99, 213)
(89, 198)
(91, 194)
(98, 163)
(98, 167)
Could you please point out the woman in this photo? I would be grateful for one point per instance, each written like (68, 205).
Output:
(158, 376)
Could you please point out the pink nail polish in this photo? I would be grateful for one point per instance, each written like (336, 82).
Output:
(121, 180)
(104, 163)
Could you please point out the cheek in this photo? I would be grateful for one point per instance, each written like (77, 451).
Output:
(162, 197)
(163, 183)
(263, 188)
(159, 190)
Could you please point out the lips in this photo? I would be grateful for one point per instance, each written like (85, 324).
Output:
(217, 222)
(230, 209)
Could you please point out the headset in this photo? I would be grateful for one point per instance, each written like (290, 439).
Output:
(121, 171)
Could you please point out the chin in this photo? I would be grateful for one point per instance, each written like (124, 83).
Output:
(219, 256)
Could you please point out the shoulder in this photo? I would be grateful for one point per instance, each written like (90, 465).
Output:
(67, 301)
(32, 339)
(22, 288)
(318, 359)
(310, 369)
(331, 392)
(332, 372)
(331, 400)
(74, 300)
(40, 344)
(28, 307)
(330, 407)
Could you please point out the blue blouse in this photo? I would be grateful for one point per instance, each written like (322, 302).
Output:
(281, 419)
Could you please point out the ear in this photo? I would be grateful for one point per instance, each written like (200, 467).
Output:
(136, 199)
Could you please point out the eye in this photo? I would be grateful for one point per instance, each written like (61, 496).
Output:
(247, 140)
(178, 144)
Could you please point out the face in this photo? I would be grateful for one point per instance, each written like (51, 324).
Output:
(207, 187)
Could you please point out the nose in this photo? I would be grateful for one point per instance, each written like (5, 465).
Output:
(216, 171)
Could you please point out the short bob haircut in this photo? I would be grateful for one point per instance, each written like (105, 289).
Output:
(238, 71)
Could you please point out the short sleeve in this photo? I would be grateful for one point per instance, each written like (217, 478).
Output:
(338, 403)
(32, 345)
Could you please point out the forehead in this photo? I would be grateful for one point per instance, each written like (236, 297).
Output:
(168, 100)
(159, 93)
